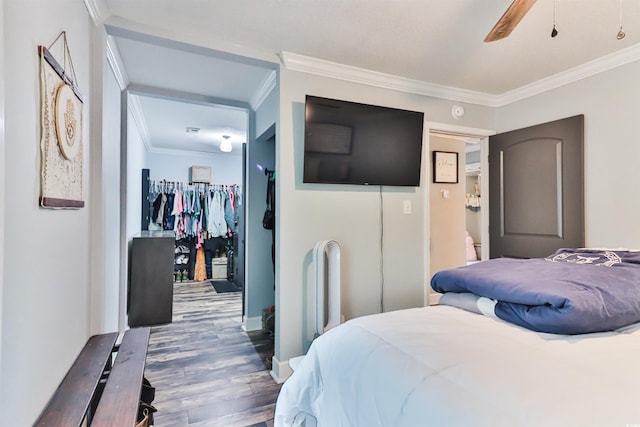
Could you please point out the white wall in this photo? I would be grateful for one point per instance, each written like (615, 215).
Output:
(348, 214)
(610, 103)
(45, 319)
(105, 221)
(225, 168)
(136, 161)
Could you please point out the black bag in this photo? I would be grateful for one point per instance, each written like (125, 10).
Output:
(145, 409)
(148, 392)
(267, 219)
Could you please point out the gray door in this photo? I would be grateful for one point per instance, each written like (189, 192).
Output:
(536, 202)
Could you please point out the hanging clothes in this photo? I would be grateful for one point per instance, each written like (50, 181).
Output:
(229, 212)
(199, 211)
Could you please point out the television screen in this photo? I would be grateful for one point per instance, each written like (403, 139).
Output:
(351, 143)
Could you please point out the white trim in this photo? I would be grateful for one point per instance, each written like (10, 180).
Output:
(280, 371)
(580, 72)
(335, 70)
(324, 68)
(115, 62)
(138, 116)
(463, 132)
(263, 92)
(447, 129)
(98, 10)
(252, 324)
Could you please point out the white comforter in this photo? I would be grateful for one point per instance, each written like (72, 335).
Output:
(442, 366)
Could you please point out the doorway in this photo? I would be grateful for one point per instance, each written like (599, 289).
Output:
(166, 69)
(190, 190)
(449, 203)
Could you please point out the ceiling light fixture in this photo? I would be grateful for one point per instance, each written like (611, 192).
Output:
(621, 33)
(554, 32)
(225, 144)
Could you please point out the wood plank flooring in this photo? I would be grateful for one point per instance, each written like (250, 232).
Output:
(206, 370)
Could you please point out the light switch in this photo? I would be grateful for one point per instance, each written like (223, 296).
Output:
(445, 194)
(406, 207)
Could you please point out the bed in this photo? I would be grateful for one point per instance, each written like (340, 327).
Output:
(463, 364)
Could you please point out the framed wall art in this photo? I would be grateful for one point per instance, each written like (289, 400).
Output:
(61, 107)
(445, 167)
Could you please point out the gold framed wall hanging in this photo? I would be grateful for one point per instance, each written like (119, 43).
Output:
(61, 106)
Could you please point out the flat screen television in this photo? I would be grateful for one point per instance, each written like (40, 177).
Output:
(352, 143)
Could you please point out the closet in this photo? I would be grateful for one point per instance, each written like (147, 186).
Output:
(204, 219)
(473, 202)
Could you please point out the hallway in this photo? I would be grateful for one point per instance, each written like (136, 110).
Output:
(206, 370)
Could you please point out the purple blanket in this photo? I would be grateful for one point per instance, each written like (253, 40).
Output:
(573, 291)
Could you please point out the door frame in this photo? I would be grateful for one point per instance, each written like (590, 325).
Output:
(460, 133)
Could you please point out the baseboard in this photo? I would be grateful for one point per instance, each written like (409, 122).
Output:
(252, 324)
(280, 371)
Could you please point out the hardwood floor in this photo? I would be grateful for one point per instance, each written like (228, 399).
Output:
(206, 370)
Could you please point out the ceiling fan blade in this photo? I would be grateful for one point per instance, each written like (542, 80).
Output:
(509, 20)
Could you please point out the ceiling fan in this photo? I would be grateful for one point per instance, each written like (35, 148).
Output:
(509, 20)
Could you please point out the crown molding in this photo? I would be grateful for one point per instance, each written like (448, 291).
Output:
(115, 62)
(324, 68)
(306, 64)
(588, 69)
(263, 92)
(138, 116)
(98, 10)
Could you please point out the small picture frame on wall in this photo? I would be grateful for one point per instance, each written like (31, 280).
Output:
(445, 167)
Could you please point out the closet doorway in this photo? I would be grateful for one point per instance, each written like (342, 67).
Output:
(158, 69)
(455, 209)
(193, 157)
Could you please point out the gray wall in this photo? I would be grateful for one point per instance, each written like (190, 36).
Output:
(259, 284)
(45, 282)
(348, 214)
(259, 292)
(610, 102)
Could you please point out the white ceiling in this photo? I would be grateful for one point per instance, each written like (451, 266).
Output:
(175, 87)
(432, 41)
(189, 126)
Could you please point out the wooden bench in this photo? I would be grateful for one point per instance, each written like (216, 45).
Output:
(98, 391)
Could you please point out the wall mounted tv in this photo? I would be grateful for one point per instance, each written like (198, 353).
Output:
(351, 143)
